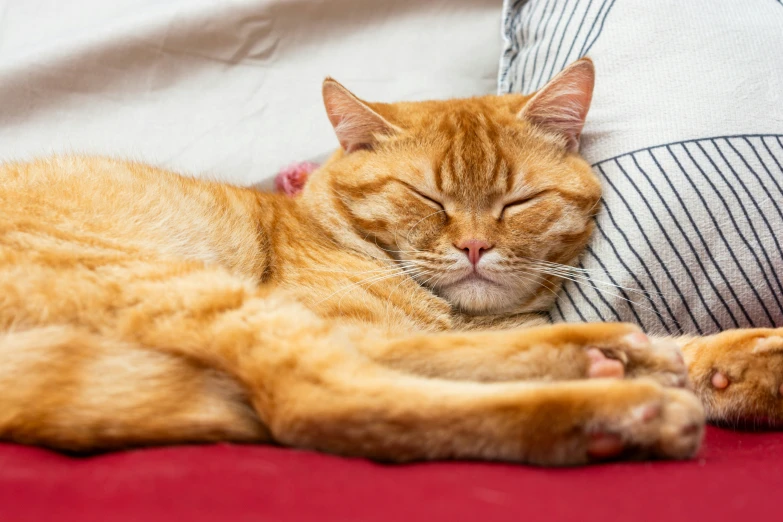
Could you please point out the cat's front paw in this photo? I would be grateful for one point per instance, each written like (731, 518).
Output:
(655, 358)
(671, 426)
(738, 374)
(622, 350)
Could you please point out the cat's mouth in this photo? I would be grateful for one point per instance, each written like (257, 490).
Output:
(475, 290)
(476, 293)
(474, 278)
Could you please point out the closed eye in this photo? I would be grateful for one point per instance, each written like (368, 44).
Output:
(428, 199)
(519, 203)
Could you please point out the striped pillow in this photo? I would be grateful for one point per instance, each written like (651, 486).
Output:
(686, 134)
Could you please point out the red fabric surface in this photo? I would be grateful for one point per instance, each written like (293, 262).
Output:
(738, 476)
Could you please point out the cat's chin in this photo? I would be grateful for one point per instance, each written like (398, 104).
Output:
(479, 296)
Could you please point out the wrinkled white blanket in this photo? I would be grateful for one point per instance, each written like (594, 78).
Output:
(232, 88)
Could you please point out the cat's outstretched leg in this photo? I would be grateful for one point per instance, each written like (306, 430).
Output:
(309, 380)
(738, 375)
(360, 411)
(313, 386)
(554, 352)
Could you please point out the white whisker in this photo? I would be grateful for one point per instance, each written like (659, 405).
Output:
(603, 291)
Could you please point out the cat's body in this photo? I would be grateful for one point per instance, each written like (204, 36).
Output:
(141, 307)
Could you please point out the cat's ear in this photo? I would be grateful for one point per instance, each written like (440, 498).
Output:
(357, 126)
(560, 107)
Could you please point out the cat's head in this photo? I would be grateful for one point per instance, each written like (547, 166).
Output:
(472, 197)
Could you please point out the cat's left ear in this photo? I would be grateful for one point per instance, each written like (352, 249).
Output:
(560, 107)
(357, 126)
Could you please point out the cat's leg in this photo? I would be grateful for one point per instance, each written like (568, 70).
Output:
(360, 410)
(313, 386)
(738, 375)
(72, 388)
(554, 352)
(68, 388)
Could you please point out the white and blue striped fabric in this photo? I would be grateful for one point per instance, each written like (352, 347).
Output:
(686, 134)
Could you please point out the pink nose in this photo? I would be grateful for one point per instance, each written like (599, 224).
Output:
(474, 248)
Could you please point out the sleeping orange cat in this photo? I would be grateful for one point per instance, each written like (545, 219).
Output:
(393, 310)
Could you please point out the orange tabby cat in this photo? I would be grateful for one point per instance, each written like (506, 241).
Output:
(138, 306)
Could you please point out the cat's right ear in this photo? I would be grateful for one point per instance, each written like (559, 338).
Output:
(561, 106)
(357, 126)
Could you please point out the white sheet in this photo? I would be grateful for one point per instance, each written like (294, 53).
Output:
(230, 89)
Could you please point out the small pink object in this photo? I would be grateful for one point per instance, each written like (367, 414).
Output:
(291, 180)
(719, 380)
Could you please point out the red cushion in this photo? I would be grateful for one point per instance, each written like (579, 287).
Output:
(739, 476)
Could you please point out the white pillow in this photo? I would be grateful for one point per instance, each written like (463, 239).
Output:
(686, 133)
(230, 88)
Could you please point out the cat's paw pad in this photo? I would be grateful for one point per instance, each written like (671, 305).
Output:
(637, 354)
(602, 367)
(719, 381)
(739, 374)
(604, 446)
(659, 359)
